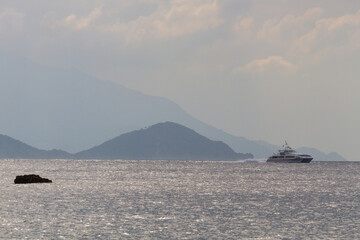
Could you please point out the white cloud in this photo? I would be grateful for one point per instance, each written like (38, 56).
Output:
(243, 24)
(75, 22)
(272, 63)
(327, 35)
(11, 21)
(171, 20)
(288, 26)
(186, 17)
(333, 24)
(307, 38)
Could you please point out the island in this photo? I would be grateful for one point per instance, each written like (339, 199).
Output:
(163, 141)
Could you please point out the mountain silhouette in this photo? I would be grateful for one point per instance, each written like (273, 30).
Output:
(167, 141)
(320, 156)
(12, 148)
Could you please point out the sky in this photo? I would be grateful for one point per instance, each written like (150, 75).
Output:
(265, 70)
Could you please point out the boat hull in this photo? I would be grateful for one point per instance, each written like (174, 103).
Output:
(291, 160)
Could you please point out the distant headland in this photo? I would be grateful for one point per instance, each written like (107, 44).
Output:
(162, 141)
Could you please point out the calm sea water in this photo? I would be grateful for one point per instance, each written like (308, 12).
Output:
(180, 200)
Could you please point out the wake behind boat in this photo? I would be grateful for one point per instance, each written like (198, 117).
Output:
(289, 155)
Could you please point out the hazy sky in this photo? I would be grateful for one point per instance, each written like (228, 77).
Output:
(271, 70)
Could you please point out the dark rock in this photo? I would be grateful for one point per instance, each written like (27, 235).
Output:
(31, 178)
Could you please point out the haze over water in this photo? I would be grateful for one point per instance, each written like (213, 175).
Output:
(180, 200)
(264, 70)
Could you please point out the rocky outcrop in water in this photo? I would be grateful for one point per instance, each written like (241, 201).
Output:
(31, 178)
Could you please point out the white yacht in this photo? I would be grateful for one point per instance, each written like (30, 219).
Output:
(289, 155)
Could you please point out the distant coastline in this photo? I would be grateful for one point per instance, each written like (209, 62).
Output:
(163, 141)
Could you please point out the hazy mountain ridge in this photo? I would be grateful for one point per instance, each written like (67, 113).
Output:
(164, 141)
(12, 148)
(57, 108)
(320, 156)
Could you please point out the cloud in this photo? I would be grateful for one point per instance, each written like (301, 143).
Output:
(169, 20)
(289, 25)
(307, 38)
(76, 23)
(272, 63)
(243, 24)
(186, 17)
(327, 35)
(333, 24)
(11, 21)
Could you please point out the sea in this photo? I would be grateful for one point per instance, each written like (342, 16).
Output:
(121, 199)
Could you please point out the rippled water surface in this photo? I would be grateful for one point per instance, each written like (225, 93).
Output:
(180, 200)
